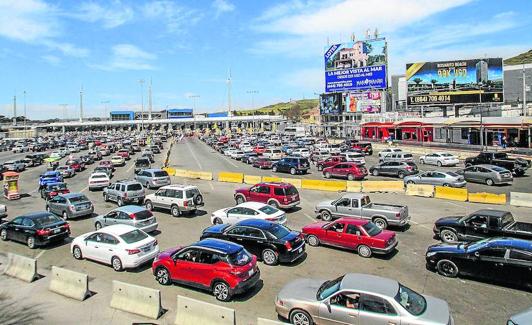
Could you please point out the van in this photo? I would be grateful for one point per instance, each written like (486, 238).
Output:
(397, 157)
(273, 154)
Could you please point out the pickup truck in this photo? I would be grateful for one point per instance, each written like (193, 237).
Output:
(357, 205)
(479, 225)
(517, 166)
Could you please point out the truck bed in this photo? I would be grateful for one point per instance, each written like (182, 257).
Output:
(387, 207)
(520, 227)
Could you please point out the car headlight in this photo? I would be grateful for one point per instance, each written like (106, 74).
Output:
(430, 254)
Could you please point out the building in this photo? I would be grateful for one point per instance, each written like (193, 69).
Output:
(218, 114)
(482, 72)
(513, 83)
(121, 115)
(179, 113)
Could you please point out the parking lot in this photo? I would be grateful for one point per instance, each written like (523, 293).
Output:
(471, 302)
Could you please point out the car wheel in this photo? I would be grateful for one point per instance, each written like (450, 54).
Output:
(421, 161)
(445, 185)
(147, 185)
(326, 215)
(240, 199)
(489, 182)
(439, 163)
(217, 221)
(148, 205)
(380, 222)
(270, 257)
(375, 172)
(364, 251)
(198, 199)
(105, 198)
(274, 169)
(401, 175)
(162, 276)
(292, 171)
(410, 182)
(300, 317)
(447, 268)
(468, 165)
(3, 234)
(47, 208)
(119, 202)
(64, 215)
(274, 204)
(98, 226)
(221, 291)
(76, 252)
(31, 242)
(117, 264)
(350, 177)
(174, 210)
(327, 175)
(448, 236)
(313, 240)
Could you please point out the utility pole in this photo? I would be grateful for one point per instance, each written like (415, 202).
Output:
(15, 110)
(25, 115)
(149, 102)
(525, 110)
(141, 82)
(252, 93)
(64, 110)
(81, 105)
(228, 100)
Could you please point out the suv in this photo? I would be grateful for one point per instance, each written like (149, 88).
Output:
(176, 198)
(130, 215)
(394, 168)
(294, 165)
(350, 170)
(123, 192)
(153, 178)
(276, 194)
(398, 157)
(331, 161)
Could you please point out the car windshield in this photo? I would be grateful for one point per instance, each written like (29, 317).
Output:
(190, 193)
(446, 155)
(134, 236)
(412, 301)
(328, 288)
(79, 198)
(56, 187)
(268, 209)
(46, 220)
(407, 155)
(99, 176)
(279, 231)
(290, 191)
(499, 169)
(134, 187)
(452, 174)
(372, 229)
(160, 173)
(240, 258)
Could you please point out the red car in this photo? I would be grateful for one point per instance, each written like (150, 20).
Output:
(222, 267)
(259, 150)
(351, 233)
(350, 170)
(276, 194)
(107, 163)
(124, 153)
(262, 163)
(77, 165)
(331, 161)
(365, 147)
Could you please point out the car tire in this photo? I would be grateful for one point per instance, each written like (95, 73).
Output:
(401, 175)
(162, 276)
(116, 263)
(320, 167)
(105, 197)
(221, 291)
(380, 222)
(445, 185)
(274, 204)
(148, 205)
(240, 199)
(274, 169)
(270, 257)
(422, 162)
(217, 221)
(97, 225)
(375, 172)
(439, 163)
(30, 242)
(120, 202)
(293, 171)
(300, 317)
(326, 216)
(447, 268)
(3, 235)
(448, 236)
(350, 177)
(313, 240)
(364, 251)
(410, 182)
(327, 175)
(489, 182)
(76, 252)
(198, 199)
(174, 211)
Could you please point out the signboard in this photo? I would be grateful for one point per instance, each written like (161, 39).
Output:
(365, 102)
(455, 82)
(357, 65)
(330, 104)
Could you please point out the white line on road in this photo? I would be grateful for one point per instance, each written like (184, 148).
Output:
(84, 189)
(39, 255)
(229, 161)
(212, 186)
(193, 155)
(129, 169)
(309, 217)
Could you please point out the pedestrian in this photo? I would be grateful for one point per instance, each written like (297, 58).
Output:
(504, 142)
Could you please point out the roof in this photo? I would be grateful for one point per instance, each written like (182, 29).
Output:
(52, 173)
(257, 223)
(280, 184)
(491, 212)
(370, 283)
(510, 242)
(219, 245)
(131, 208)
(54, 184)
(179, 110)
(353, 221)
(71, 195)
(33, 215)
(178, 186)
(253, 205)
(118, 229)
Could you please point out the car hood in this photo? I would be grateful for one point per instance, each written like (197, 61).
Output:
(446, 248)
(325, 203)
(448, 221)
(313, 226)
(242, 190)
(437, 311)
(301, 289)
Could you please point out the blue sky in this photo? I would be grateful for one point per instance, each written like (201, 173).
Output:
(50, 48)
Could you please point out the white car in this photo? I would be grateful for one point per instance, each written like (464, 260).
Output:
(439, 159)
(98, 180)
(176, 198)
(301, 152)
(118, 161)
(56, 154)
(237, 154)
(273, 154)
(246, 148)
(229, 152)
(121, 246)
(355, 157)
(248, 210)
(385, 152)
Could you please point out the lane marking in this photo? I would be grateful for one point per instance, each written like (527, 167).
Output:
(84, 189)
(129, 169)
(40, 254)
(309, 217)
(229, 161)
(193, 154)
(212, 186)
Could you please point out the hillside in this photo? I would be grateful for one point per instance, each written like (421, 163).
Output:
(523, 58)
(305, 106)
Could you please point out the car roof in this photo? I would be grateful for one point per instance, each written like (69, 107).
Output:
(178, 187)
(55, 183)
(34, 215)
(51, 173)
(253, 205)
(278, 184)
(353, 221)
(131, 208)
(491, 212)
(512, 242)
(118, 229)
(223, 246)
(153, 170)
(370, 283)
(71, 195)
(257, 223)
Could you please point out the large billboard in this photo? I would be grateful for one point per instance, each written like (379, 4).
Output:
(331, 104)
(357, 65)
(365, 102)
(455, 82)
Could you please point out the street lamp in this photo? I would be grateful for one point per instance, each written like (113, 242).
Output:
(252, 93)
(194, 97)
(141, 82)
(105, 102)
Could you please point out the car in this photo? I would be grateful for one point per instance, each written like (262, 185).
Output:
(133, 215)
(237, 154)
(107, 163)
(76, 164)
(259, 150)
(439, 159)
(438, 178)
(124, 153)
(354, 156)
(178, 199)
(330, 161)
(224, 268)
(388, 151)
(155, 149)
(98, 180)
(15, 165)
(397, 157)
(272, 242)
(50, 190)
(3, 212)
(121, 246)
(153, 178)
(355, 234)
(50, 177)
(118, 161)
(19, 149)
(262, 163)
(394, 168)
(142, 163)
(517, 166)
(87, 160)
(365, 147)
(249, 157)
(103, 169)
(124, 192)
(273, 154)
(292, 165)
(524, 317)
(248, 210)
(95, 154)
(487, 174)
(301, 152)
(277, 194)
(70, 205)
(148, 155)
(498, 259)
(35, 229)
(351, 171)
(368, 299)
(66, 171)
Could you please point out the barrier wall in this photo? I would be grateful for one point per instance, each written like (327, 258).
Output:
(136, 299)
(181, 173)
(449, 193)
(21, 267)
(197, 174)
(383, 186)
(521, 199)
(423, 190)
(169, 170)
(332, 186)
(252, 179)
(230, 177)
(294, 181)
(484, 197)
(68, 283)
(354, 186)
(195, 312)
(271, 179)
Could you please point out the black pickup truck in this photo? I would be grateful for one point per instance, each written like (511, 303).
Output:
(481, 224)
(517, 166)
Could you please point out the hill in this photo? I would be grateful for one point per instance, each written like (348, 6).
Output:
(304, 106)
(523, 58)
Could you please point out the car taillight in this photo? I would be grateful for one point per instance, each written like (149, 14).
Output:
(397, 215)
(288, 245)
(43, 232)
(133, 251)
(185, 204)
(133, 216)
(66, 226)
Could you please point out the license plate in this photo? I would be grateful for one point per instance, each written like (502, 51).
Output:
(300, 250)
(57, 231)
(250, 273)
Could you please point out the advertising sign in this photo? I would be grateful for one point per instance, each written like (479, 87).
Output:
(357, 65)
(455, 82)
(330, 104)
(365, 102)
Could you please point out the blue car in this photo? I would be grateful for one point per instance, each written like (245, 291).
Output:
(50, 177)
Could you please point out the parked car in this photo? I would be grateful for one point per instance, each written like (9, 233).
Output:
(394, 168)
(118, 161)
(524, 317)
(142, 163)
(301, 152)
(373, 299)
(237, 154)
(148, 155)
(76, 164)
(66, 171)
(50, 177)
(178, 199)
(517, 166)
(272, 242)
(221, 267)
(365, 147)
(50, 190)
(132, 215)
(273, 154)
(124, 192)
(487, 174)
(124, 153)
(276, 194)
(354, 156)
(121, 246)
(351, 171)
(259, 149)
(15, 165)
(107, 163)
(439, 159)
(481, 224)
(388, 151)
(503, 260)
(358, 205)
(35, 229)
(292, 165)
(248, 210)
(438, 178)
(103, 169)
(263, 163)
(330, 161)
(98, 181)
(71, 205)
(249, 157)
(153, 178)
(397, 157)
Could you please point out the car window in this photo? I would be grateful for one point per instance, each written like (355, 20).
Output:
(122, 216)
(46, 220)
(376, 304)
(112, 214)
(345, 202)
(75, 199)
(97, 237)
(248, 212)
(134, 236)
(237, 231)
(161, 192)
(170, 193)
(190, 193)
(278, 191)
(493, 252)
(254, 233)
(263, 189)
(122, 188)
(109, 239)
(520, 256)
(207, 257)
(160, 173)
(353, 230)
(190, 255)
(268, 209)
(134, 187)
(478, 221)
(239, 258)
(346, 299)
(26, 222)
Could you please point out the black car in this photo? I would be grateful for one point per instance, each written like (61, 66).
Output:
(271, 242)
(249, 157)
(149, 156)
(35, 229)
(142, 163)
(87, 159)
(155, 149)
(503, 260)
(292, 165)
(52, 189)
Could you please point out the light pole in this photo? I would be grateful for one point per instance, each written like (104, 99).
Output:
(105, 102)
(64, 109)
(141, 82)
(25, 115)
(252, 93)
(194, 97)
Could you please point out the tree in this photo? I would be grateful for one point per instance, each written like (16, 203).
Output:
(433, 82)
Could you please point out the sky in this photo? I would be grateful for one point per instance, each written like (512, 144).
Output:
(50, 50)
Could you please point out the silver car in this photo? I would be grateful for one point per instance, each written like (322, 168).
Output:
(358, 299)
(124, 192)
(439, 159)
(397, 157)
(153, 178)
(132, 215)
(66, 171)
(487, 174)
(70, 205)
(438, 178)
(524, 317)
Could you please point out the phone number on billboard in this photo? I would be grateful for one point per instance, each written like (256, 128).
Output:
(430, 99)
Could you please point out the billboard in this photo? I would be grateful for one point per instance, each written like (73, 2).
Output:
(365, 102)
(330, 104)
(455, 82)
(357, 65)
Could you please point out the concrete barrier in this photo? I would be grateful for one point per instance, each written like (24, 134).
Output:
(136, 299)
(198, 174)
(21, 267)
(450, 193)
(181, 173)
(271, 179)
(252, 179)
(383, 186)
(195, 312)
(70, 284)
(423, 190)
(321, 185)
(354, 186)
(521, 199)
(294, 181)
(264, 321)
(489, 198)
(230, 177)
(169, 170)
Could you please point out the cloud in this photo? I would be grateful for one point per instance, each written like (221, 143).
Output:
(311, 79)
(175, 17)
(114, 15)
(222, 6)
(128, 57)
(51, 59)
(27, 20)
